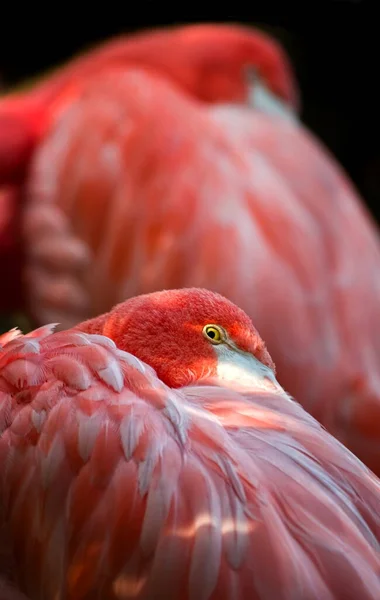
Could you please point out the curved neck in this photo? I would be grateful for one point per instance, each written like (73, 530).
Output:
(12, 296)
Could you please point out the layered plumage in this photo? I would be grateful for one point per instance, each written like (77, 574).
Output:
(114, 485)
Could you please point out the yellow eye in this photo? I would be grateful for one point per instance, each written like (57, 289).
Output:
(214, 333)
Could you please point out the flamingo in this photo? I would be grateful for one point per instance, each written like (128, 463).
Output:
(151, 453)
(140, 182)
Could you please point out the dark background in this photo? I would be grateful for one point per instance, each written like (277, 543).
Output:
(334, 47)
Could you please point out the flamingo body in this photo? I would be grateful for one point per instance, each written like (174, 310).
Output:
(114, 485)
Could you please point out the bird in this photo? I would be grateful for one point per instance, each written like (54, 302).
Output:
(150, 452)
(140, 182)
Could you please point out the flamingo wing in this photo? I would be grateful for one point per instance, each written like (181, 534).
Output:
(115, 486)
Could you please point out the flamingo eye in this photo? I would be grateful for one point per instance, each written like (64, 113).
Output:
(214, 334)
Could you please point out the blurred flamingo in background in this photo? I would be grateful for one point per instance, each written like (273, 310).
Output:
(137, 176)
(151, 453)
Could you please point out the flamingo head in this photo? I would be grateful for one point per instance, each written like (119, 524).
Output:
(224, 64)
(190, 335)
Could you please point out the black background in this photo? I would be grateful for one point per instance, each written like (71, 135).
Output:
(334, 47)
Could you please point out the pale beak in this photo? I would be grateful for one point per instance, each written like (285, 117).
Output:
(242, 371)
(261, 98)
